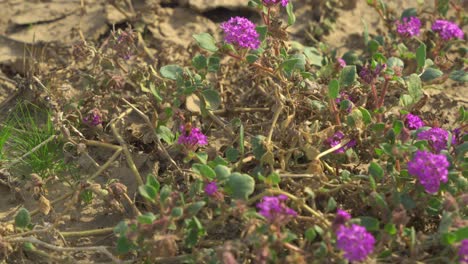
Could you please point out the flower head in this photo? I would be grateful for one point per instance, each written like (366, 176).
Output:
(336, 139)
(413, 121)
(241, 32)
(355, 241)
(408, 27)
(368, 75)
(341, 218)
(437, 138)
(94, 118)
(274, 209)
(447, 29)
(192, 138)
(463, 252)
(430, 169)
(274, 2)
(341, 63)
(211, 188)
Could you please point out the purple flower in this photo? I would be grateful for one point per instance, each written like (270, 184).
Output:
(463, 252)
(341, 62)
(192, 138)
(241, 32)
(437, 138)
(430, 169)
(408, 27)
(274, 2)
(341, 218)
(355, 241)
(274, 209)
(457, 136)
(336, 139)
(211, 188)
(368, 75)
(93, 119)
(413, 121)
(447, 29)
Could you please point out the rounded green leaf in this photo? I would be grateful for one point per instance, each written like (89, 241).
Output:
(212, 99)
(241, 185)
(333, 89)
(171, 71)
(23, 218)
(222, 172)
(431, 74)
(348, 75)
(149, 192)
(194, 208)
(206, 41)
(204, 170)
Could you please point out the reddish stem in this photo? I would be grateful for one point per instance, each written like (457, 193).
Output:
(384, 91)
(335, 111)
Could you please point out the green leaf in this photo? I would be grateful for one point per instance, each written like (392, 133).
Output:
(348, 75)
(431, 74)
(333, 89)
(313, 56)
(366, 116)
(222, 172)
(165, 134)
(395, 62)
(241, 185)
(153, 182)
(164, 193)
(397, 126)
(290, 12)
(121, 228)
(415, 87)
(421, 55)
(213, 64)
(251, 58)
(370, 223)
(199, 62)
(124, 245)
(459, 76)
(206, 41)
(376, 171)
(258, 148)
(194, 208)
(443, 6)
(204, 170)
(212, 99)
(147, 218)
(390, 229)
(148, 192)
(28, 246)
(171, 71)
(373, 46)
(177, 212)
(22, 218)
(262, 32)
(410, 12)
(310, 234)
(331, 205)
(232, 154)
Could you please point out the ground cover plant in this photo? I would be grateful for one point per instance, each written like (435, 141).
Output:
(254, 148)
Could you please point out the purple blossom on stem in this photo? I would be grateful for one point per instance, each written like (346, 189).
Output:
(274, 209)
(336, 139)
(355, 241)
(447, 29)
(211, 188)
(241, 32)
(192, 138)
(341, 62)
(368, 75)
(408, 27)
(463, 252)
(430, 169)
(275, 2)
(341, 218)
(457, 136)
(93, 119)
(437, 138)
(413, 121)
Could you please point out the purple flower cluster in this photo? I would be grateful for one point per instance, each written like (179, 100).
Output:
(355, 241)
(211, 188)
(241, 32)
(192, 138)
(437, 138)
(368, 75)
(275, 2)
(336, 139)
(341, 63)
(274, 209)
(341, 218)
(447, 29)
(463, 252)
(430, 169)
(408, 27)
(413, 121)
(93, 119)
